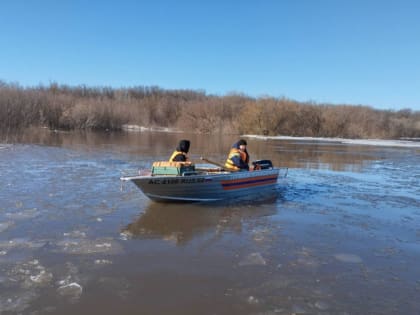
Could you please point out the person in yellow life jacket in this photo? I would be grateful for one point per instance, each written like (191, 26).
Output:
(180, 153)
(238, 157)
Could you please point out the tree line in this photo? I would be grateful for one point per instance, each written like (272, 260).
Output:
(103, 108)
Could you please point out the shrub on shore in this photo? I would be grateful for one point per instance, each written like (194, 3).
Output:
(102, 108)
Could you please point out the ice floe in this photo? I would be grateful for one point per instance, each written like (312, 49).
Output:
(253, 259)
(103, 262)
(126, 235)
(16, 303)
(348, 258)
(5, 225)
(85, 246)
(72, 291)
(22, 215)
(29, 274)
(21, 243)
(75, 234)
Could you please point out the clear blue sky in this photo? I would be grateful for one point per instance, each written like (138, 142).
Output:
(337, 51)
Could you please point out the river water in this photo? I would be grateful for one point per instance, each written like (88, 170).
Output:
(342, 236)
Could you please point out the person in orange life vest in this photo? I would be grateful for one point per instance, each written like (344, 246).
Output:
(180, 153)
(238, 157)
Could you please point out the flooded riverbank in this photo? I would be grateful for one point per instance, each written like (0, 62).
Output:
(341, 237)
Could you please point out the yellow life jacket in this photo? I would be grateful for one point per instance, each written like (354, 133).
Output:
(171, 159)
(235, 152)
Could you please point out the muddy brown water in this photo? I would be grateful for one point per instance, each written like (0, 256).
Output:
(341, 236)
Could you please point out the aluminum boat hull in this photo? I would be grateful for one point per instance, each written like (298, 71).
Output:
(207, 186)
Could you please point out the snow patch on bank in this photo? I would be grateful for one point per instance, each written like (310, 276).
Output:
(138, 128)
(413, 143)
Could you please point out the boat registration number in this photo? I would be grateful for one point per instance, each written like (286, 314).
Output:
(172, 181)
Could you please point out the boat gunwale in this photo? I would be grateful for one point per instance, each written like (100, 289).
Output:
(243, 174)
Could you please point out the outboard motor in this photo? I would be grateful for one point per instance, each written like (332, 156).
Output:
(262, 164)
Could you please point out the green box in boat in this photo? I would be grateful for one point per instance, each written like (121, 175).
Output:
(172, 168)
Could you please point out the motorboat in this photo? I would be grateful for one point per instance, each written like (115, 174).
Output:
(186, 182)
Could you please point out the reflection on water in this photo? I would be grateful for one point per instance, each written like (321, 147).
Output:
(340, 236)
(318, 155)
(182, 222)
(149, 146)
